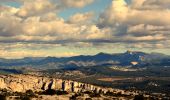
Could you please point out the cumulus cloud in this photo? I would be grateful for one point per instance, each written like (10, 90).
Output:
(140, 21)
(47, 27)
(121, 13)
(8, 22)
(36, 23)
(114, 14)
(76, 3)
(81, 18)
(150, 4)
(36, 7)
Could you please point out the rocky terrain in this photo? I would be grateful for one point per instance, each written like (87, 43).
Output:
(15, 85)
(101, 76)
(22, 83)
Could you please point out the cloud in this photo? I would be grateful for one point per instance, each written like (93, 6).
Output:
(29, 46)
(34, 26)
(20, 50)
(48, 27)
(36, 23)
(8, 22)
(81, 18)
(36, 7)
(34, 53)
(114, 14)
(145, 38)
(160, 45)
(141, 21)
(76, 3)
(151, 4)
(9, 0)
(121, 13)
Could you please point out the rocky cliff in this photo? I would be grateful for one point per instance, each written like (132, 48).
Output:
(22, 83)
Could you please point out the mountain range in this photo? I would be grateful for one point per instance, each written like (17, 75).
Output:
(129, 58)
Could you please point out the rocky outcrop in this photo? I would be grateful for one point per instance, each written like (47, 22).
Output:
(22, 83)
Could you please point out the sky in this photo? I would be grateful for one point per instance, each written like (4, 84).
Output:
(62, 28)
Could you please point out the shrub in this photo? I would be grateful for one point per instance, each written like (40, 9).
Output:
(25, 98)
(87, 92)
(2, 97)
(58, 92)
(30, 93)
(49, 92)
(108, 93)
(94, 95)
(73, 97)
(88, 99)
(139, 97)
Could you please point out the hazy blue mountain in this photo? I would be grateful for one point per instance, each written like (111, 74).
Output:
(123, 59)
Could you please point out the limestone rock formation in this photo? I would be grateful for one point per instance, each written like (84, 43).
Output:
(22, 83)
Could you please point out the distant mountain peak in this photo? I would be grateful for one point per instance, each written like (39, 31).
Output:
(135, 52)
(123, 58)
(102, 53)
(129, 52)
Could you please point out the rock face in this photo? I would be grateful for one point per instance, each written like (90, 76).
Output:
(22, 83)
